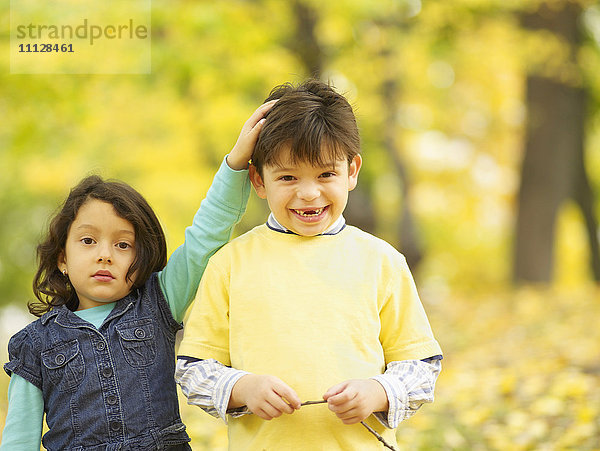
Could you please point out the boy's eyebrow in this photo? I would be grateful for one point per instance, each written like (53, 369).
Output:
(277, 168)
(326, 165)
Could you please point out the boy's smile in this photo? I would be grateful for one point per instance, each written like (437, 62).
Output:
(311, 214)
(306, 199)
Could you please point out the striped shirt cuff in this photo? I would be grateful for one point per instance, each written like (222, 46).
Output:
(408, 384)
(207, 384)
(222, 392)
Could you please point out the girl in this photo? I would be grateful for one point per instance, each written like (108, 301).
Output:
(99, 361)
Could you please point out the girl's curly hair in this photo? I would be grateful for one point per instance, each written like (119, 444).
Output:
(50, 286)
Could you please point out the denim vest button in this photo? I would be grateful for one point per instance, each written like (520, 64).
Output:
(107, 372)
(100, 346)
(112, 400)
(59, 359)
(139, 333)
(115, 426)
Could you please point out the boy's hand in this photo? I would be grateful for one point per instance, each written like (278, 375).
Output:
(265, 396)
(242, 151)
(354, 400)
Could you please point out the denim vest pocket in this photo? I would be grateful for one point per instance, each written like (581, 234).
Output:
(174, 435)
(137, 341)
(65, 365)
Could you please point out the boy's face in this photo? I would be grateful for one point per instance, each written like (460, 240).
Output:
(303, 198)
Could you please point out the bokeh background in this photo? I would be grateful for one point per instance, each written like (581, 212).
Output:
(480, 134)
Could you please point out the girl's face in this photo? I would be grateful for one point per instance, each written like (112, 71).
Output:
(99, 250)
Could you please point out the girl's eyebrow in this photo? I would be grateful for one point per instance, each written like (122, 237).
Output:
(87, 226)
(93, 227)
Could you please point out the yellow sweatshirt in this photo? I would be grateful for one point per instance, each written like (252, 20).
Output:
(313, 311)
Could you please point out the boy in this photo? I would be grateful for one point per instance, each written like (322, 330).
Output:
(304, 307)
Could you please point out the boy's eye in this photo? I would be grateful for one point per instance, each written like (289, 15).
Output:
(327, 174)
(286, 178)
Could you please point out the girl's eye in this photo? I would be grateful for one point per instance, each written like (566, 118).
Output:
(87, 241)
(123, 245)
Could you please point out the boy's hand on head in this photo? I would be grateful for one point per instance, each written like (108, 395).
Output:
(265, 396)
(242, 151)
(354, 400)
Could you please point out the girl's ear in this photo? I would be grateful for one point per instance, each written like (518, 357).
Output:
(257, 182)
(353, 171)
(61, 262)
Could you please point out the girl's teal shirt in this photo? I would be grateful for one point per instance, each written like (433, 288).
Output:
(223, 207)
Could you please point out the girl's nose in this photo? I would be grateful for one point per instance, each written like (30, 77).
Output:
(104, 254)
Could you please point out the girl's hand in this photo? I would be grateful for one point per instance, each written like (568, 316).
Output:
(242, 151)
(265, 396)
(354, 400)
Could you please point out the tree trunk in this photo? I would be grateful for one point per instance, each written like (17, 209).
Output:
(553, 168)
(407, 233)
(551, 145)
(305, 43)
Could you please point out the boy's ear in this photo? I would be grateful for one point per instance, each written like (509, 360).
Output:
(353, 171)
(257, 182)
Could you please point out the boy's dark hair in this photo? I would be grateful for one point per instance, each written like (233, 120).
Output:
(50, 286)
(307, 117)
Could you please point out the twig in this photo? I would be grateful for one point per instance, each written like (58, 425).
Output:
(245, 410)
(308, 403)
(379, 437)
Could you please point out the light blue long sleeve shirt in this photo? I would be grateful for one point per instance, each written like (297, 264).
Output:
(223, 207)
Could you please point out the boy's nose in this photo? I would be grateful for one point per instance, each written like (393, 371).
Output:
(308, 191)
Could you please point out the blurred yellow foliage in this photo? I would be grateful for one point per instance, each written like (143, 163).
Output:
(521, 368)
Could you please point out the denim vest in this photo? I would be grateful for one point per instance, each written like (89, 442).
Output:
(110, 388)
